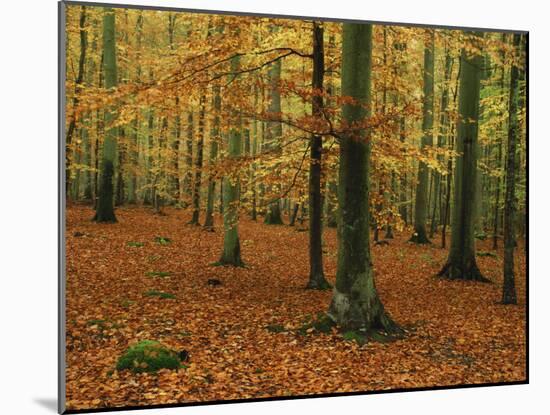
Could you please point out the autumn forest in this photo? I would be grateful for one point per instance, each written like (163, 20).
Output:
(265, 207)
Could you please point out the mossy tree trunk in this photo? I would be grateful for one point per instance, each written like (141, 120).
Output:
(105, 211)
(355, 303)
(461, 263)
(231, 254)
(421, 204)
(509, 288)
(316, 275)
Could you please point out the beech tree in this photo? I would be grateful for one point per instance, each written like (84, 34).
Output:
(461, 263)
(231, 254)
(316, 275)
(509, 288)
(105, 211)
(355, 302)
(421, 206)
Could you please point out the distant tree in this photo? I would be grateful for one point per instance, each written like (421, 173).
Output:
(421, 205)
(509, 287)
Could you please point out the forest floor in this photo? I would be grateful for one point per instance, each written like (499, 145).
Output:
(457, 333)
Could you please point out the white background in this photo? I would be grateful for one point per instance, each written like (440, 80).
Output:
(28, 177)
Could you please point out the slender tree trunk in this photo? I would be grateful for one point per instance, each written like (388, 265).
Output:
(78, 84)
(198, 165)
(355, 303)
(214, 139)
(105, 211)
(274, 133)
(231, 254)
(509, 288)
(461, 263)
(442, 136)
(119, 194)
(421, 205)
(134, 152)
(254, 150)
(187, 179)
(316, 275)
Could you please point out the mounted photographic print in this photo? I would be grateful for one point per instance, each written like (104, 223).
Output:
(260, 207)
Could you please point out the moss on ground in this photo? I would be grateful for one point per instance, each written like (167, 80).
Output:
(148, 356)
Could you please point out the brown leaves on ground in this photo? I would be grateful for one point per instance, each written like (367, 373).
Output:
(457, 333)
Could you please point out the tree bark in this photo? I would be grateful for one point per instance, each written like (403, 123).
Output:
(421, 205)
(231, 254)
(509, 288)
(198, 165)
(316, 274)
(78, 84)
(105, 211)
(461, 263)
(355, 303)
(214, 138)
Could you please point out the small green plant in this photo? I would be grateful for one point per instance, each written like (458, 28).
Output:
(148, 356)
(160, 274)
(135, 244)
(159, 294)
(126, 303)
(162, 240)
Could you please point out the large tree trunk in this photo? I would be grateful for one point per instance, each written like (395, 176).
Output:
(421, 205)
(461, 263)
(231, 254)
(105, 211)
(509, 287)
(355, 303)
(316, 275)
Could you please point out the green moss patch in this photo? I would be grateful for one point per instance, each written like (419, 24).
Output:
(148, 356)
(275, 328)
(321, 324)
(160, 274)
(351, 335)
(162, 240)
(135, 244)
(159, 294)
